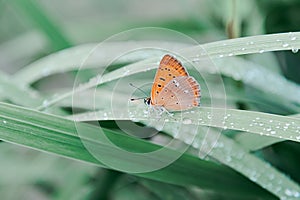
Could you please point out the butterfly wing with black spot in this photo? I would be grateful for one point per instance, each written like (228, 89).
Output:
(169, 68)
(181, 93)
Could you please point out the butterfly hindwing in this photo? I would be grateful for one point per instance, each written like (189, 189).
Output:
(180, 93)
(169, 68)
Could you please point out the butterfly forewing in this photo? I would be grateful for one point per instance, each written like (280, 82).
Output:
(169, 68)
(181, 93)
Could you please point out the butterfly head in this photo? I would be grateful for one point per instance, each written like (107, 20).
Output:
(147, 101)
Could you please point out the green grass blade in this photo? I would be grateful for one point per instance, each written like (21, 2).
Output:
(240, 46)
(90, 56)
(271, 125)
(35, 13)
(245, 72)
(57, 135)
(253, 142)
(14, 92)
(235, 156)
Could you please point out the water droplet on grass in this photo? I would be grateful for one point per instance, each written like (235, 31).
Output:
(105, 117)
(186, 121)
(288, 192)
(292, 36)
(285, 45)
(295, 50)
(45, 103)
(126, 71)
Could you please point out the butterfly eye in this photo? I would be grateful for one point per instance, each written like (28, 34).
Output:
(147, 101)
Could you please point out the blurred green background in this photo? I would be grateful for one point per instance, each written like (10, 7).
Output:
(32, 29)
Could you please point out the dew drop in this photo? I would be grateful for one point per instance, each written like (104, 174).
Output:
(4, 121)
(105, 117)
(186, 121)
(292, 36)
(295, 50)
(273, 132)
(196, 60)
(45, 103)
(285, 45)
(188, 140)
(126, 72)
(228, 158)
(159, 127)
(296, 194)
(288, 192)
(253, 178)
(261, 51)
(196, 144)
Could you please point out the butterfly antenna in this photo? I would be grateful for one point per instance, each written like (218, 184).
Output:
(139, 90)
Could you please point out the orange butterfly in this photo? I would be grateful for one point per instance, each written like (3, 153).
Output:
(173, 88)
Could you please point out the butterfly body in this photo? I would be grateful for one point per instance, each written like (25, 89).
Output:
(173, 89)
